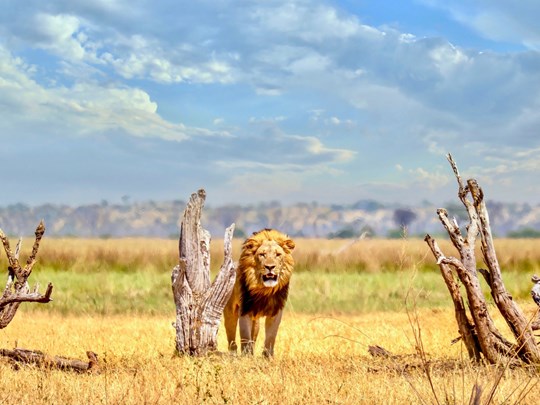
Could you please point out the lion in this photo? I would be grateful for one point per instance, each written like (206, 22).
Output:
(261, 289)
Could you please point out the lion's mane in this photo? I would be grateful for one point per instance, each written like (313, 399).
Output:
(254, 297)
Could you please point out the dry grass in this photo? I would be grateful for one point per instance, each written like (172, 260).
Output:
(316, 255)
(375, 255)
(320, 360)
(96, 255)
(132, 276)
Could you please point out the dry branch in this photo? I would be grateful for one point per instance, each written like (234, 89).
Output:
(477, 329)
(40, 359)
(17, 289)
(465, 325)
(199, 303)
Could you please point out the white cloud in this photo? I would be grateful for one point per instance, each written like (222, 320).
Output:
(512, 162)
(316, 114)
(339, 122)
(299, 67)
(268, 90)
(430, 179)
(499, 20)
(267, 120)
(56, 28)
(447, 58)
(272, 148)
(335, 120)
(256, 165)
(316, 147)
(140, 57)
(82, 108)
(61, 34)
(305, 20)
(301, 54)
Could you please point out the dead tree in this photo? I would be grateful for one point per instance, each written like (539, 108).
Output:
(199, 303)
(482, 339)
(17, 289)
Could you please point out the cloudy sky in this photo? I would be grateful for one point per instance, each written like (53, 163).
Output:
(295, 101)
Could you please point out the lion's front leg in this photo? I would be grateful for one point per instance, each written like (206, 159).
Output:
(271, 330)
(254, 330)
(246, 343)
(230, 314)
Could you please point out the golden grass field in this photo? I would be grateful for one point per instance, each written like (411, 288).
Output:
(321, 352)
(319, 360)
(330, 255)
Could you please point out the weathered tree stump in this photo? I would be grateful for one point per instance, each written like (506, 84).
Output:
(17, 289)
(476, 327)
(199, 303)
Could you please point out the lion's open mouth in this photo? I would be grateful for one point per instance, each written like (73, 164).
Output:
(270, 279)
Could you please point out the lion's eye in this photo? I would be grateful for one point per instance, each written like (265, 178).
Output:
(262, 254)
(278, 254)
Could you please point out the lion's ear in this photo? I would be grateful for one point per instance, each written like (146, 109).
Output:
(288, 245)
(250, 244)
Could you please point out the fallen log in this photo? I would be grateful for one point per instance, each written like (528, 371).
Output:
(23, 356)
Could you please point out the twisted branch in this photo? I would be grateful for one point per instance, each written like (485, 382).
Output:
(17, 289)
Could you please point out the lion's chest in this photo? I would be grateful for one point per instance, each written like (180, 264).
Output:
(260, 303)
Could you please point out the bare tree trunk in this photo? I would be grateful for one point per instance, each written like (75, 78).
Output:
(478, 331)
(17, 289)
(199, 304)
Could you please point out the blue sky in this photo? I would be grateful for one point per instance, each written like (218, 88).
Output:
(294, 101)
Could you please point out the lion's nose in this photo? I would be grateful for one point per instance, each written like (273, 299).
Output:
(270, 268)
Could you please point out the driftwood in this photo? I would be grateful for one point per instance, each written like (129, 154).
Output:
(40, 359)
(476, 327)
(17, 289)
(199, 303)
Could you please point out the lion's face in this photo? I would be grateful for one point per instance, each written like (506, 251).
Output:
(267, 260)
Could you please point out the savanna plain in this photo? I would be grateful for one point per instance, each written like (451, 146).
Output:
(113, 297)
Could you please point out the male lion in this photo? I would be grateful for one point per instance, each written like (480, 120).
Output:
(261, 289)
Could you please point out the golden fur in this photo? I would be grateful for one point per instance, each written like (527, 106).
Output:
(262, 283)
